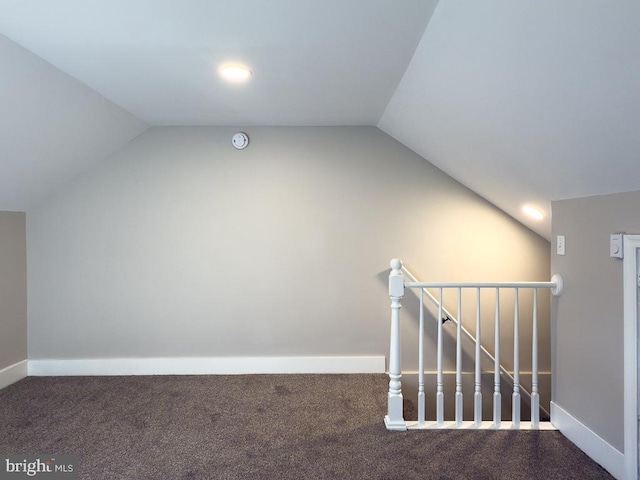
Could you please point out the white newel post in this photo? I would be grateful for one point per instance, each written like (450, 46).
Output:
(395, 419)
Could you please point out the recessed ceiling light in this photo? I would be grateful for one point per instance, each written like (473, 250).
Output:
(533, 212)
(235, 73)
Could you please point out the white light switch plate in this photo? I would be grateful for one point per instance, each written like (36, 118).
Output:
(560, 245)
(615, 249)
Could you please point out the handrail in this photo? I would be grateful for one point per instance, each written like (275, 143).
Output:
(417, 284)
(555, 285)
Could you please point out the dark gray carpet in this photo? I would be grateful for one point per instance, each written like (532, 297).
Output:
(260, 427)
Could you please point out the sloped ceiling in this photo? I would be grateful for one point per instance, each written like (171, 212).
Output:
(524, 102)
(51, 127)
(327, 62)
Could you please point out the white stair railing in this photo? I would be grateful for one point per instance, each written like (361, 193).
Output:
(394, 420)
(500, 371)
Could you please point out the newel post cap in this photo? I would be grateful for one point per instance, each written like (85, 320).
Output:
(396, 280)
(396, 265)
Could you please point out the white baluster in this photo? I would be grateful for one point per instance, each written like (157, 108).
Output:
(421, 398)
(535, 396)
(477, 397)
(497, 397)
(440, 382)
(516, 364)
(459, 397)
(394, 419)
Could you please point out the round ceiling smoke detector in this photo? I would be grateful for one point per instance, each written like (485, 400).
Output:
(240, 140)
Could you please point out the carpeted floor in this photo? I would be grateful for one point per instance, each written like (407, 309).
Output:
(259, 427)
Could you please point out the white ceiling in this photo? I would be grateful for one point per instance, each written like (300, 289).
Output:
(520, 101)
(325, 62)
(52, 127)
(526, 102)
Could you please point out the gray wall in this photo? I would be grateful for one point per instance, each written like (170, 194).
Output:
(180, 245)
(13, 289)
(588, 324)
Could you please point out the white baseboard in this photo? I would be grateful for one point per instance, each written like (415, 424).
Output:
(206, 366)
(610, 458)
(13, 373)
